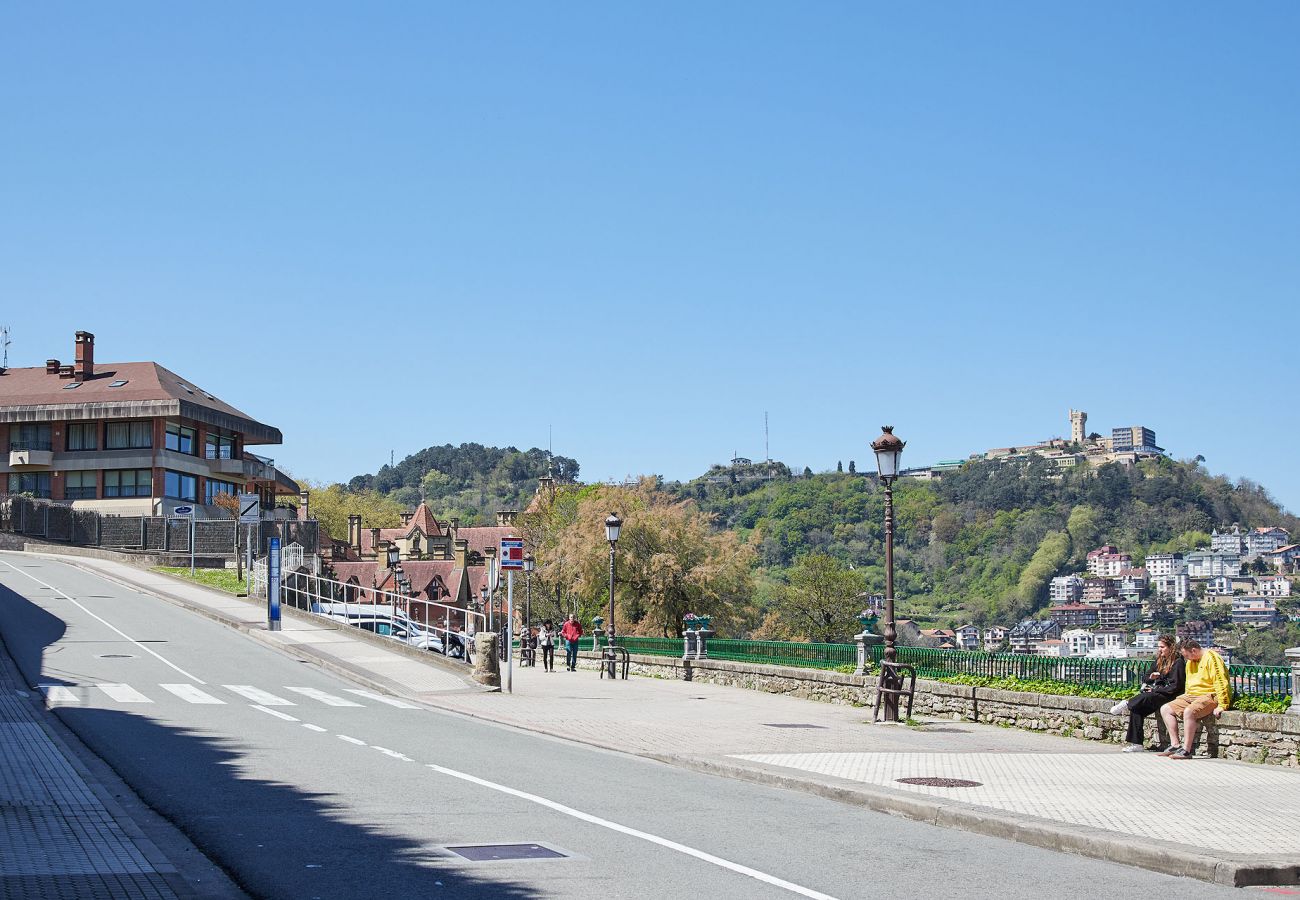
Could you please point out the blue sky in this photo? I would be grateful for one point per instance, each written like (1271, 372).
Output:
(385, 226)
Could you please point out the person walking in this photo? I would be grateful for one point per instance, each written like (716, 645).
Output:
(1166, 680)
(572, 633)
(1207, 692)
(546, 640)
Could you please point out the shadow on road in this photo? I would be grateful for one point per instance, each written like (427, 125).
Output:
(273, 838)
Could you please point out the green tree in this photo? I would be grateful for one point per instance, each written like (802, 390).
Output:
(839, 465)
(1047, 559)
(853, 467)
(822, 598)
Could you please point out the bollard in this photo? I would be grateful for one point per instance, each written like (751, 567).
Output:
(487, 670)
(1293, 656)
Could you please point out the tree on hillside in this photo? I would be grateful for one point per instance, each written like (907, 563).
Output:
(1084, 528)
(853, 467)
(839, 465)
(822, 599)
(1050, 556)
(807, 471)
(331, 505)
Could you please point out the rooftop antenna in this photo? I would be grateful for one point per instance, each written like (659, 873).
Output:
(767, 449)
(4, 344)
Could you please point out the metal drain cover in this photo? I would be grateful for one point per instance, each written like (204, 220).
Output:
(494, 852)
(114, 656)
(790, 725)
(940, 782)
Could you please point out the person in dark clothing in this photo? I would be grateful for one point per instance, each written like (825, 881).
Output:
(1162, 684)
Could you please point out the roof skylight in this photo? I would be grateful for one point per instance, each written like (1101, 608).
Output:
(75, 384)
(119, 383)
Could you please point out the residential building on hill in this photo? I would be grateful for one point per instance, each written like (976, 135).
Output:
(1071, 615)
(1098, 590)
(1228, 541)
(967, 637)
(994, 637)
(1160, 564)
(1284, 559)
(1208, 563)
(1171, 587)
(1078, 641)
(1027, 635)
(1256, 612)
(1117, 615)
(1066, 589)
(1266, 540)
(1107, 562)
(129, 439)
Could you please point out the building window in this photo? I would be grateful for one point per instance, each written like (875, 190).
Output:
(30, 437)
(35, 483)
(213, 488)
(180, 487)
(180, 438)
(81, 486)
(128, 436)
(83, 436)
(221, 446)
(128, 483)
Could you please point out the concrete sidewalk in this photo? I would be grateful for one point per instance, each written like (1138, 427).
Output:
(1227, 822)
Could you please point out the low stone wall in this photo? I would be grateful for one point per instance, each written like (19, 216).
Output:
(1253, 737)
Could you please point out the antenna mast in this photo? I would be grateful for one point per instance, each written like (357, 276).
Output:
(4, 344)
(767, 449)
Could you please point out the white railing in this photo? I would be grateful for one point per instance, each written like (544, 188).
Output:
(425, 624)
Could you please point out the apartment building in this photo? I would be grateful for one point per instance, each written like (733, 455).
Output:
(1066, 589)
(1171, 587)
(1266, 540)
(1160, 564)
(1208, 563)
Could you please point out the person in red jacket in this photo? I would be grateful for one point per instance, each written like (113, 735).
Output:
(571, 633)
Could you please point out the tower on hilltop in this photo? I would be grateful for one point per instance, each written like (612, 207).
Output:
(1078, 426)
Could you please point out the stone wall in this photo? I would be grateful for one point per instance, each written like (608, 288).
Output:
(1254, 737)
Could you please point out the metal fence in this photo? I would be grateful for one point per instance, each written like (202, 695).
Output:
(53, 521)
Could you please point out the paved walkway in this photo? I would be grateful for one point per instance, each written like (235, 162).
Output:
(1218, 820)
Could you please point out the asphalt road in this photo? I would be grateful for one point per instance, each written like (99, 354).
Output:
(301, 784)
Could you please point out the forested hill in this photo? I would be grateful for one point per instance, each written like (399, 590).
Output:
(982, 543)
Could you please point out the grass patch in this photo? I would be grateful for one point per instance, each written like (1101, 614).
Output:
(221, 579)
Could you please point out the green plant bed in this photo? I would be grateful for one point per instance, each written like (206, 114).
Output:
(1262, 704)
(221, 579)
(1274, 704)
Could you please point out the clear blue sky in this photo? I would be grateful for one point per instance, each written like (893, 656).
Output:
(385, 226)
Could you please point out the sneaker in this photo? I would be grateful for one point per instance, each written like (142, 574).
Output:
(1170, 751)
(1180, 753)
(1119, 708)
(1133, 748)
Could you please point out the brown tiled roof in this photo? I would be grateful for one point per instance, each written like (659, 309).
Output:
(162, 391)
(364, 572)
(423, 517)
(481, 536)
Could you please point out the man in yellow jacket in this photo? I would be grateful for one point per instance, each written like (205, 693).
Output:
(1207, 692)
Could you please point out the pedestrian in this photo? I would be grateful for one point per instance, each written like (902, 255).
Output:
(546, 640)
(572, 633)
(1207, 692)
(1166, 680)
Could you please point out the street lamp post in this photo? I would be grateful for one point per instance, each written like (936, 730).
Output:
(612, 526)
(529, 565)
(483, 604)
(888, 451)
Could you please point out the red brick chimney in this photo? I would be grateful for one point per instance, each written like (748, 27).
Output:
(85, 367)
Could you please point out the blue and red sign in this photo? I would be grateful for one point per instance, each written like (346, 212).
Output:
(512, 553)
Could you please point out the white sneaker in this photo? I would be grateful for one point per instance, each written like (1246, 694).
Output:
(1119, 708)
(1133, 748)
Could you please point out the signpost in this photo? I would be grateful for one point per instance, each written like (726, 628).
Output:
(250, 512)
(512, 561)
(188, 512)
(273, 585)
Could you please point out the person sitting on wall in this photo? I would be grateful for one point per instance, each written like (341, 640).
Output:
(1166, 681)
(1206, 693)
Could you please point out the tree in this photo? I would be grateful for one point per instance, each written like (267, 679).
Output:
(807, 471)
(1050, 556)
(331, 505)
(853, 467)
(230, 503)
(434, 484)
(822, 598)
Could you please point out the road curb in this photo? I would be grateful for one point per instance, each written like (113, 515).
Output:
(1232, 870)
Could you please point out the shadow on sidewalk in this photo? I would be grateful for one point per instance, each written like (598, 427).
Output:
(272, 838)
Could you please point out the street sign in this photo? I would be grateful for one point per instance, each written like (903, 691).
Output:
(512, 554)
(250, 508)
(273, 584)
(184, 511)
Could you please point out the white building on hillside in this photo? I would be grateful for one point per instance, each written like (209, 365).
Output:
(1207, 563)
(1171, 587)
(1078, 641)
(1158, 564)
(1066, 589)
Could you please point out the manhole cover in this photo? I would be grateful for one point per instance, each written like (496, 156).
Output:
(115, 656)
(940, 782)
(493, 852)
(791, 725)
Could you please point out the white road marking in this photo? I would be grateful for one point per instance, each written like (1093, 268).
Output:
(394, 754)
(311, 727)
(380, 698)
(327, 699)
(123, 693)
(352, 740)
(57, 693)
(275, 712)
(108, 624)
(190, 694)
(257, 695)
(632, 832)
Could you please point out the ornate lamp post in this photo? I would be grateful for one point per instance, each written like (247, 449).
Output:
(394, 555)
(483, 605)
(612, 526)
(529, 565)
(888, 451)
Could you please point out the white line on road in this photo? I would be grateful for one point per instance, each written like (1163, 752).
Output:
(190, 694)
(371, 695)
(57, 693)
(352, 740)
(327, 699)
(645, 836)
(123, 693)
(311, 727)
(275, 712)
(111, 626)
(257, 695)
(393, 753)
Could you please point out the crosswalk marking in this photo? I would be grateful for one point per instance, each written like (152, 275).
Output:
(327, 699)
(275, 712)
(380, 698)
(257, 695)
(312, 727)
(57, 693)
(123, 693)
(190, 694)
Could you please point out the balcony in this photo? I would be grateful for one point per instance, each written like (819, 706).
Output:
(30, 455)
